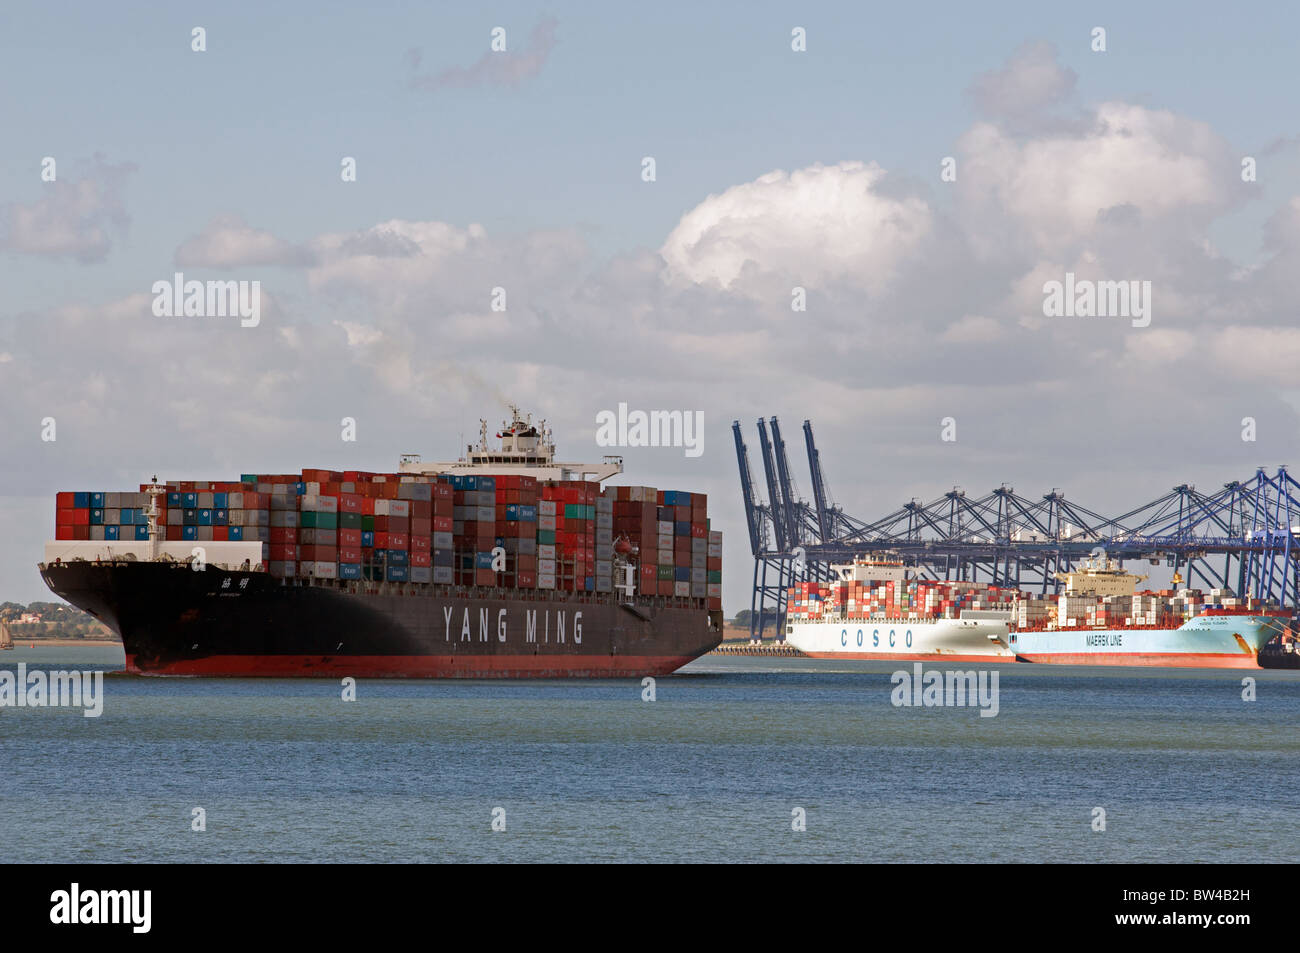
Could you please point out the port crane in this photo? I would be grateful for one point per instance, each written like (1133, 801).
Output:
(1243, 536)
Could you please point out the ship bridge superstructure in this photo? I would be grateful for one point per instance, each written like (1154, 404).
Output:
(524, 448)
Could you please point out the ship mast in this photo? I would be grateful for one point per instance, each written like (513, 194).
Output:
(155, 537)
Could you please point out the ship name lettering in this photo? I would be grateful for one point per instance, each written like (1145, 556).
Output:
(577, 628)
(559, 627)
(464, 629)
(446, 615)
(501, 625)
(482, 625)
(530, 625)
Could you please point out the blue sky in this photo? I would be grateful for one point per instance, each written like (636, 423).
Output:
(255, 127)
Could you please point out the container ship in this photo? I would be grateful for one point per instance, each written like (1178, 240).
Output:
(503, 564)
(873, 611)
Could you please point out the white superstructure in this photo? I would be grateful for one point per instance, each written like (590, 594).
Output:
(526, 449)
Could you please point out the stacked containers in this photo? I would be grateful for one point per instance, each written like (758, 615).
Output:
(604, 540)
(417, 494)
(323, 524)
(318, 536)
(715, 569)
(284, 529)
(545, 541)
(636, 519)
(101, 515)
(474, 529)
(676, 505)
(515, 508)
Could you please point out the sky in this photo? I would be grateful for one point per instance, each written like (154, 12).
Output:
(523, 169)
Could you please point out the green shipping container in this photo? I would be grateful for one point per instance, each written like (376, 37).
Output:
(546, 537)
(666, 573)
(715, 575)
(310, 520)
(350, 520)
(368, 524)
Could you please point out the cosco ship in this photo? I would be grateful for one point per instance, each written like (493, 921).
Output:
(875, 612)
(505, 563)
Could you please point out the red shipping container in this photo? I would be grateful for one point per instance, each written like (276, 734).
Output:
(220, 534)
(350, 538)
(421, 544)
(443, 524)
(63, 531)
(421, 559)
(421, 509)
(485, 577)
(421, 526)
(349, 554)
(65, 501)
(81, 518)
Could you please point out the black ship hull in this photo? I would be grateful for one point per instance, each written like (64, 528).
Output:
(175, 621)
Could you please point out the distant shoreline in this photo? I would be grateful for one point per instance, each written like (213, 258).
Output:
(62, 643)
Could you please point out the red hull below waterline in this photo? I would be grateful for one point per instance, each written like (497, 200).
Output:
(415, 666)
(1161, 660)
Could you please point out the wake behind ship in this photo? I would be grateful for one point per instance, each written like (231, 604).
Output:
(504, 563)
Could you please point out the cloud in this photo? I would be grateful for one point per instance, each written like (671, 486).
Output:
(75, 218)
(507, 67)
(228, 242)
(1031, 81)
(811, 225)
(1053, 192)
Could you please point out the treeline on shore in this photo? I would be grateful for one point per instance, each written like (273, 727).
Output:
(58, 621)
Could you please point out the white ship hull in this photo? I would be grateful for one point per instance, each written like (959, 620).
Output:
(956, 639)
